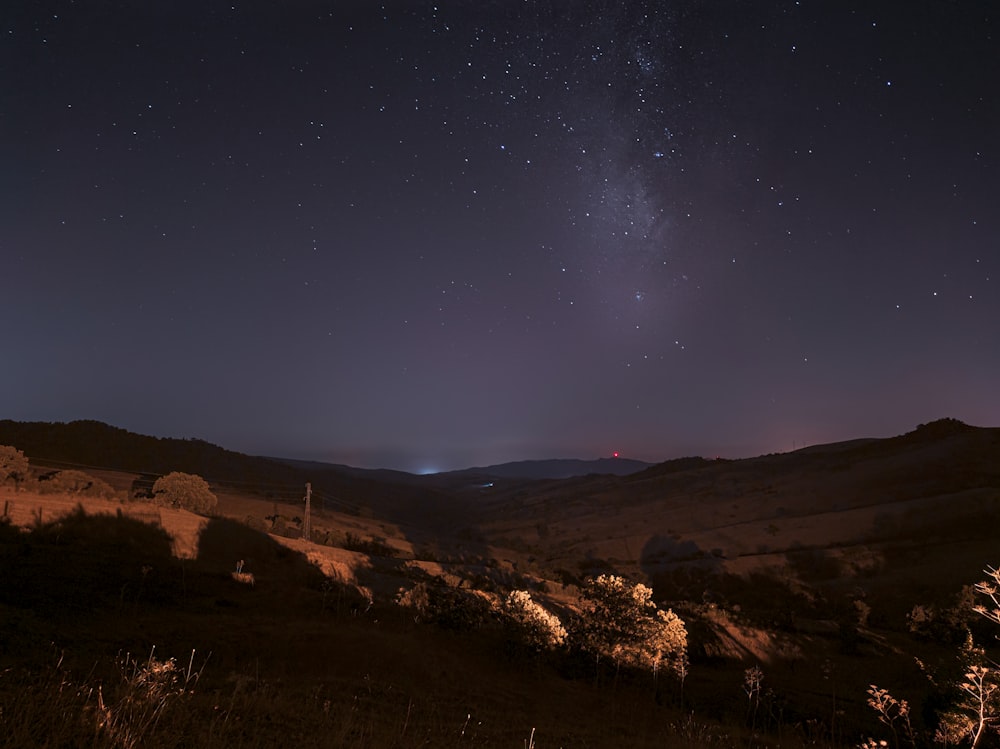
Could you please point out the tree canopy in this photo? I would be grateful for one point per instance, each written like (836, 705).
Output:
(625, 625)
(531, 623)
(184, 490)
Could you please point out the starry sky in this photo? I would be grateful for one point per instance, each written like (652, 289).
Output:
(432, 235)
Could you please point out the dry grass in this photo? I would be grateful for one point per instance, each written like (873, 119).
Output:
(313, 655)
(156, 703)
(284, 668)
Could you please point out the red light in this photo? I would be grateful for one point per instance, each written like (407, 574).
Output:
(614, 455)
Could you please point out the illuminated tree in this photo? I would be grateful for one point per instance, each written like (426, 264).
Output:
(531, 623)
(184, 490)
(624, 624)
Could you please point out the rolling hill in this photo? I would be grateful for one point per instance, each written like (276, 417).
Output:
(855, 556)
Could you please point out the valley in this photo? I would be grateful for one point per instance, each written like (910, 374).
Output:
(830, 569)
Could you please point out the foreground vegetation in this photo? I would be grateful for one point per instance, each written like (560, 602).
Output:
(109, 641)
(112, 640)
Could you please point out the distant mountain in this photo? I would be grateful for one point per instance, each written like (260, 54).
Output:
(375, 474)
(561, 468)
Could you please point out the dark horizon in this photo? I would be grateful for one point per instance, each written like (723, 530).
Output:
(401, 459)
(427, 470)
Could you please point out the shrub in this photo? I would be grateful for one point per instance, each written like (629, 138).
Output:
(375, 547)
(75, 482)
(184, 490)
(253, 522)
(531, 623)
(448, 607)
(13, 465)
(129, 713)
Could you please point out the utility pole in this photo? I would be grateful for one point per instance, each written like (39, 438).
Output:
(307, 522)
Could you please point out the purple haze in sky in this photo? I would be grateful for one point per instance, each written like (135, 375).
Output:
(432, 235)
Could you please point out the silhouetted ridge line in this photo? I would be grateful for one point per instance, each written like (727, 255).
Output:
(95, 443)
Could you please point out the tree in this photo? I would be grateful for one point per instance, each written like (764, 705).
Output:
(624, 624)
(447, 606)
(531, 623)
(184, 490)
(13, 465)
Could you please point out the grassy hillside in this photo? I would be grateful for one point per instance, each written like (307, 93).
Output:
(830, 569)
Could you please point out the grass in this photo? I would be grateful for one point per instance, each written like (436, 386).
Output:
(284, 667)
(278, 664)
(157, 703)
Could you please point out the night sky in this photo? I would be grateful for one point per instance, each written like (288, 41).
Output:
(434, 235)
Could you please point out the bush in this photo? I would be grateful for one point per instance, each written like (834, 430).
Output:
(13, 465)
(531, 623)
(75, 482)
(375, 547)
(186, 491)
(446, 606)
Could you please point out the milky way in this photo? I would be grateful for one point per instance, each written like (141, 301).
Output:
(430, 235)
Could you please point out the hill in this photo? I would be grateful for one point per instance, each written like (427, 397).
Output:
(937, 485)
(849, 560)
(561, 468)
(95, 445)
